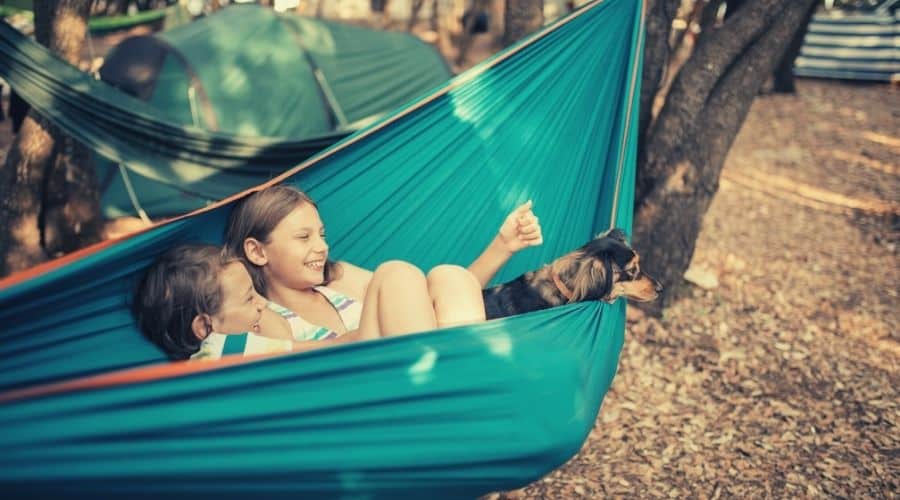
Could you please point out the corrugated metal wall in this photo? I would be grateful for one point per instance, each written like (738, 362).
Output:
(851, 45)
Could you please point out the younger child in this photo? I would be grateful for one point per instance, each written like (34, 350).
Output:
(197, 294)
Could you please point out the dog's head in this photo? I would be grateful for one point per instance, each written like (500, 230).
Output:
(605, 269)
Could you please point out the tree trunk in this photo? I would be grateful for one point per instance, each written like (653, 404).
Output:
(414, 9)
(656, 57)
(18, 110)
(783, 78)
(41, 161)
(678, 172)
(732, 7)
(676, 38)
(379, 12)
(435, 16)
(521, 17)
(497, 13)
(118, 7)
(468, 28)
(71, 217)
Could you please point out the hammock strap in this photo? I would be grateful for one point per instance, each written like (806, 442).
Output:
(633, 79)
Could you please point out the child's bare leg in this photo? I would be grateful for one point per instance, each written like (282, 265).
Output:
(457, 296)
(396, 302)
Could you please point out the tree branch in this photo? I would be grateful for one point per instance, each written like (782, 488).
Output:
(670, 216)
(656, 56)
(730, 100)
(715, 52)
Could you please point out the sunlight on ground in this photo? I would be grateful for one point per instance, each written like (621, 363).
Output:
(867, 329)
(883, 139)
(859, 159)
(808, 195)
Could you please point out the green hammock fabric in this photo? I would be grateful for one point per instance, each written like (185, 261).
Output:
(454, 413)
(260, 74)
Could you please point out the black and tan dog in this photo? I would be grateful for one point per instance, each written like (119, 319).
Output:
(604, 269)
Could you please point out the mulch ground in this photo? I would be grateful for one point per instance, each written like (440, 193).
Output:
(784, 378)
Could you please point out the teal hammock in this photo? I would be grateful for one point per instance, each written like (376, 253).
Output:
(87, 407)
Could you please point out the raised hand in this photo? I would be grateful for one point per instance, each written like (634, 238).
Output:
(521, 229)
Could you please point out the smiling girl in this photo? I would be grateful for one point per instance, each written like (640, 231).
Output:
(279, 234)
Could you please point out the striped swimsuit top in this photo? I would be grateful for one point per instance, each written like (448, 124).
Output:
(349, 310)
(216, 345)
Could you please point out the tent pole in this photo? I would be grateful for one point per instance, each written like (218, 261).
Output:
(132, 195)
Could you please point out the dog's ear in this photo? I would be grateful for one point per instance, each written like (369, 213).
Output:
(614, 233)
(610, 248)
(619, 235)
(623, 257)
(589, 283)
(618, 253)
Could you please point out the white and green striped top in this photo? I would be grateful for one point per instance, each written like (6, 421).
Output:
(216, 345)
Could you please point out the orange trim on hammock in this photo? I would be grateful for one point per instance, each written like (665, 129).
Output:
(51, 265)
(131, 376)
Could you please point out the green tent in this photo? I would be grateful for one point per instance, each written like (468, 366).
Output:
(251, 72)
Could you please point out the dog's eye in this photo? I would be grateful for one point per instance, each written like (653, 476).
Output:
(625, 275)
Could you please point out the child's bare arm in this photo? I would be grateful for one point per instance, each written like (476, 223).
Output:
(521, 229)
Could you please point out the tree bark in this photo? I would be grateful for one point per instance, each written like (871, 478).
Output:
(414, 9)
(783, 77)
(71, 217)
(116, 7)
(660, 14)
(679, 171)
(520, 18)
(380, 13)
(42, 161)
(435, 16)
(468, 28)
(676, 38)
(714, 54)
(710, 15)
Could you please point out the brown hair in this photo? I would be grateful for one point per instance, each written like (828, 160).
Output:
(256, 217)
(181, 284)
